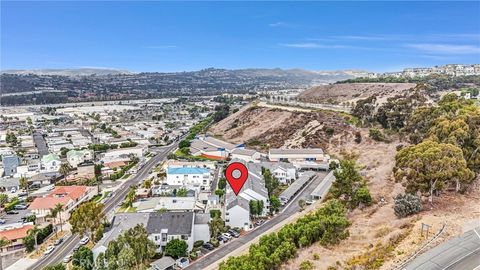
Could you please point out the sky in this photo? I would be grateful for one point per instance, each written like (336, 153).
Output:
(184, 36)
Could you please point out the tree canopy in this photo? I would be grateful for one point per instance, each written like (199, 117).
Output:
(430, 166)
(176, 248)
(349, 186)
(87, 218)
(131, 250)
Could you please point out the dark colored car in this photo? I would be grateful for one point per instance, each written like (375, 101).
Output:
(58, 242)
(12, 212)
(222, 239)
(208, 246)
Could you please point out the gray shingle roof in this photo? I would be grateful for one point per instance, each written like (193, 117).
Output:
(175, 223)
(316, 151)
(202, 218)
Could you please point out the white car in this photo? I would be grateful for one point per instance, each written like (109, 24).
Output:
(84, 240)
(49, 250)
(67, 258)
(227, 235)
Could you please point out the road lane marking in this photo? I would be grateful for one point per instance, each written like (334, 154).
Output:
(460, 259)
(476, 233)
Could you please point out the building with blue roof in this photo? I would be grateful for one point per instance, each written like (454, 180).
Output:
(189, 177)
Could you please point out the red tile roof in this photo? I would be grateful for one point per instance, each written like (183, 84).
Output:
(61, 194)
(115, 164)
(15, 233)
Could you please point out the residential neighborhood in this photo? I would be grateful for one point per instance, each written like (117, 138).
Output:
(53, 167)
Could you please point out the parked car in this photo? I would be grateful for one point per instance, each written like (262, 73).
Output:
(222, 239)
(233, 233)
(13, 190)
(58, 242)
(2, 221)
(76, 248)
(259, 222)
(20, 207)
(67, 258)
(208, 246)
(84, 240)
(309, 202)
(49, 250)
(11, 212)
(227, 235)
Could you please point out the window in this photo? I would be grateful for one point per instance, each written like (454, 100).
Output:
(184, 237)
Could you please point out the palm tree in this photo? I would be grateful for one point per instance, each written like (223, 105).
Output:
(65, 169)
(54, 214)
(130, 197)
(24, 183)
(58, 208)
(35, 230)
(3, 243)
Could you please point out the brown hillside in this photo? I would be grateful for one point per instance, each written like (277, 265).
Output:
(351, 92)
(262, 128)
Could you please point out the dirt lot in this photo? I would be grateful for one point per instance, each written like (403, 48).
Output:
(351, 92)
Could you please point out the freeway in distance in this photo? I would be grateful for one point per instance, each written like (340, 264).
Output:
(72, 241)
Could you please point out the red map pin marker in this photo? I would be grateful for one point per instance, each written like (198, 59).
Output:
(236, 182)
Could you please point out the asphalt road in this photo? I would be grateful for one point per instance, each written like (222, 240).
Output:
(460, 253)
(40, 144)
(221, 252)
(71, 241)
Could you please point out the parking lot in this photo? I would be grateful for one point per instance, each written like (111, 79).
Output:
(11, 219)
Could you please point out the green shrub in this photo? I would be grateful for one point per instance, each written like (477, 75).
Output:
(198, 243)
(376, 134)
(215, 213)
(306, 265)
(407, 204)
(362, 196)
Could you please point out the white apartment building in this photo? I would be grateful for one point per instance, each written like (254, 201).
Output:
(189, 176)
(298, 155)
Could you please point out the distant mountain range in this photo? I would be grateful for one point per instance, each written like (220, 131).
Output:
(68, 71)
(321, 76)
(88, 84)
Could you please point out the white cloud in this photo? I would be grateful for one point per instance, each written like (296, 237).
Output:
(433, 48)
(311, 45)
(280, 24)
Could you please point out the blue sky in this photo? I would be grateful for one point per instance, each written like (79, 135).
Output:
(177, 36)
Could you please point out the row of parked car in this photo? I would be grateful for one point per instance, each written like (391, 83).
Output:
(224, 237)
